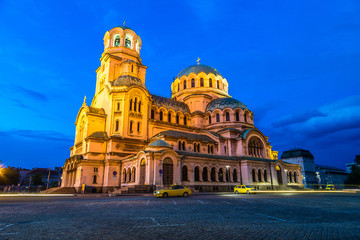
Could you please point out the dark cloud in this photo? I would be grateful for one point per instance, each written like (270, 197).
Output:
(32, 94)
(39, 135)
(298, 118)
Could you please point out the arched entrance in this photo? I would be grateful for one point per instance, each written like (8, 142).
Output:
(168, 171)
(279, 175)
(142, 172)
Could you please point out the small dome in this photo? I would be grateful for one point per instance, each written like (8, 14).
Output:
(124, 27)
(159, 143)
(198, 69)
(222, 103)
(297, 152)
(127, 80)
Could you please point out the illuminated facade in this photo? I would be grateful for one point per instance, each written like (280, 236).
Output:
(201, 137)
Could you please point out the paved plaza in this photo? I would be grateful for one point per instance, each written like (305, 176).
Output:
(224, 216)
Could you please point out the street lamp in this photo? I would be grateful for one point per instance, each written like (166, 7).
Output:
(228, 176)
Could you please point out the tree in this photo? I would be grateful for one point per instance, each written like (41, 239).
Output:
(354, 176)
(357, 160)
(37, 179)
(9, 176)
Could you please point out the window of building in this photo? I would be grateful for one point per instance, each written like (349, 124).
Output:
(177, 119)
(213, 174)
(135, 104)
(227, 175)
(138, 126)
(96, 169)
(185, 120)
(259, 176)
(117, 41)
(192, 82)
(94, 179)
(201, 82)
(217, 117)
(235, 175)
(218, 84)
(245, 117)
(169, 117)
(183, 146)
(184, 173)
(265, 176)
(139, 106)
(205, 174)
(209, 119)
(161, 115)
(118, 106)
(197, 174)
(184, 84)
(131, 126)
(221, 175)
(253, 175)
(295, 177)
(237, 116)
(179, 145)
(152, 114)
(132, 68)
(225, 149)
(127, 43)
(117, 125)
(227, 116)
(210, 82)
(130, 104)
(255, 147)
(290, 177)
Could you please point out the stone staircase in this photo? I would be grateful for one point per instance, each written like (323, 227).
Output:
(60, 190)
(133, 189)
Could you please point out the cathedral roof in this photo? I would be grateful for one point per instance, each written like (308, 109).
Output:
(170, 104)
(159, 143)
(124, 27)
(198, 69)
(127, 80)
(222, 103)
(190, 136)
(297, 152)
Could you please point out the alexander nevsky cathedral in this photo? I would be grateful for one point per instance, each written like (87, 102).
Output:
(201, 137)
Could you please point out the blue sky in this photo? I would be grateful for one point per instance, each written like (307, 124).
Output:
(295, 64)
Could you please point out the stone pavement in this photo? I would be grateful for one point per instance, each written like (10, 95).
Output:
(223, 216)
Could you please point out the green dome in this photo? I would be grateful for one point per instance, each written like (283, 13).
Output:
(198, 69)
(222, 103)
(159, 143)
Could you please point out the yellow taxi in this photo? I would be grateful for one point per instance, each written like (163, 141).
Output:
(244, 189)
(174, 190)
(330, 187)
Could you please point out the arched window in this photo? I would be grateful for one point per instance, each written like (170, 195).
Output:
(138, 126)
(225, 149)
(227, 175)
(201, 82)
(192, 82)
(237, 116)
(139, 106)
(117, 41)
(194, 147)
(212, 149)
(94, 179)
(129, 175)
(208, 148)
(185, 120)
(209, 119)
(161, 115)
(132, 68)
(178, 87)
(177, 119)
(184, 173)
(259, 176)
(117, 125)
(217, 117)
(152, 114)
(133, 174)
(131, 126)
(127, 43)
(221, 175)
(253, 175)
(118, 106)
(135, 104)
(295, 177)
(265, 176)
(179, 145)
(213, 174)
(210, 82)
(245, 117)
(169, 117)
(255, 147)
(130, 104)
(184, 84)
(227, 116)
(290, 177)
(197, 174)
(124, 175)
(183, 146)
(205, 174)
(218, 84)
(235, 175)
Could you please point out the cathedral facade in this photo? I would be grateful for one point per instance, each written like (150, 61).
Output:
(200, 137)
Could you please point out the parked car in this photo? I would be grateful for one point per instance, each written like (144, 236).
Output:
(174, 190)
(244, 189)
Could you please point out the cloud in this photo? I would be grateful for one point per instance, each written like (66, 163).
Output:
(32, 94)
(39, 135)
(298, 118)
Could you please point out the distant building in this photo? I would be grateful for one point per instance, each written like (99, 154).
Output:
(355, 163)
(305, 159)
(39, 176)
(330, 175)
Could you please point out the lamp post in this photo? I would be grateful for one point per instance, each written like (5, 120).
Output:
(228, 176)
(47, 185)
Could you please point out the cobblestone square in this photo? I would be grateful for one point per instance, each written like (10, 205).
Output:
(222, 216)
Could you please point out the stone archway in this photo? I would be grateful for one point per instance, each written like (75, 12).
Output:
(168, 172)
(142, 172)
(279, 175)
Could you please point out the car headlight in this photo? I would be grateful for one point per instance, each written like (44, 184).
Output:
(158, 192)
